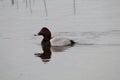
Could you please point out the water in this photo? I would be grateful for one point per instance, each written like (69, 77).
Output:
(94, 28)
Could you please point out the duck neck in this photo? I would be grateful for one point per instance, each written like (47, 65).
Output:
(46, 44)
(47, 38)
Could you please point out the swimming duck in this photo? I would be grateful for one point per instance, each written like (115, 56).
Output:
(55, 41)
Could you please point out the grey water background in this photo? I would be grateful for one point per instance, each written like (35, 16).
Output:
(93, 25)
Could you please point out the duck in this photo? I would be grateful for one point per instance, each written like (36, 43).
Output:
(48, 40)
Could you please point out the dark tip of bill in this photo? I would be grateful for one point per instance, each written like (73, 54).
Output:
(35, 34)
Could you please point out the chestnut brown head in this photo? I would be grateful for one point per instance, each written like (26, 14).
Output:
(45, 32)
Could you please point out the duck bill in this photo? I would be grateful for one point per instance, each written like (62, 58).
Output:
(38, 34)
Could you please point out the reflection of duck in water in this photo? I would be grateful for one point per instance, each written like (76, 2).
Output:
(58, 44)
(46, 55)
(59, 48)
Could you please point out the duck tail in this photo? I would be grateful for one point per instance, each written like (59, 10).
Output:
(72, 42)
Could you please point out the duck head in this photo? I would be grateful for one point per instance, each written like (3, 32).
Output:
(45, 32)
